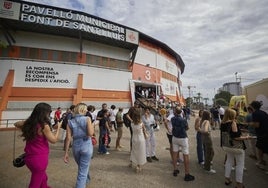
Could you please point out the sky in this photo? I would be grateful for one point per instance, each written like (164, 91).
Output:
(214, 38)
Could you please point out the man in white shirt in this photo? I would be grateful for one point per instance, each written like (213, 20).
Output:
(221, 112)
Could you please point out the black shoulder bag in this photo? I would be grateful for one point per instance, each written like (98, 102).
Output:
(19, 161)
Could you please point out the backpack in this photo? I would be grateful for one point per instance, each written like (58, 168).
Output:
(127, 122)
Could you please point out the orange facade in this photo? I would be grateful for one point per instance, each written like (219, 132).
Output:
(146, 74)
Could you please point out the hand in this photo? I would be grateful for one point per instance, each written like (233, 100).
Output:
(19, 124)
(66, 158)
(252, 137)
(59, 124)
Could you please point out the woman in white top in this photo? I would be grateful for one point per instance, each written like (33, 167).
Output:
(149, 121)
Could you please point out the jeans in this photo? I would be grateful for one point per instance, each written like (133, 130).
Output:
(102, 147)
(82, 152)
(199, 148)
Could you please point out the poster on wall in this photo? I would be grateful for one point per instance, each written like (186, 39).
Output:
(48, 75)
(168, 87)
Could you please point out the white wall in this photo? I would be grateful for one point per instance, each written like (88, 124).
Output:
(65, 76)
(106, 79)
(145, 56)
(105, 50)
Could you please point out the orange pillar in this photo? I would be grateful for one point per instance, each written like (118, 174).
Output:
(6, 91)
(79, 89)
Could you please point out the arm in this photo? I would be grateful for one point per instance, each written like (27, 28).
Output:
(52, 138)
(166, 123)
(107, 126)
(90, 128)
(235, 129)
(19, 124)
(129, 117)
(68, 141)
(99, 116)
(197, 124)
(143, 127)
(186, 125)
(128, 114)
(253, 124)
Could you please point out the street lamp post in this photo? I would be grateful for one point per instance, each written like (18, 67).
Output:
(189, 88)
(238, 82)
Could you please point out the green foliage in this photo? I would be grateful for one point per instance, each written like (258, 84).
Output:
(225, 95)
(221, 101)
(188, 101)
(3, 44)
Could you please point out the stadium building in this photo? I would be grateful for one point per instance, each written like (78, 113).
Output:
(63, 57)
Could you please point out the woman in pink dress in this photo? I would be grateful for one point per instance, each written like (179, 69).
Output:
(37, 133)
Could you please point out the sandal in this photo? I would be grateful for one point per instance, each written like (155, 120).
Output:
(228, 182)
(138, 169)
(176, 172)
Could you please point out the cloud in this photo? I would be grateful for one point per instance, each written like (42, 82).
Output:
(214, 38)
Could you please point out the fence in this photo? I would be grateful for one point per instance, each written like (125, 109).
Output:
(8, 124)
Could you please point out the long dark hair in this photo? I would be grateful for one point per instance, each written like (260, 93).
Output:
(205, 116)
(39, 115)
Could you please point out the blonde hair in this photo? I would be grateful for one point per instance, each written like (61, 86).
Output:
(136, 116)
(80, 108)
(229, 115)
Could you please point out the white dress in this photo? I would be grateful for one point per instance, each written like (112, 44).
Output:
(138, 152)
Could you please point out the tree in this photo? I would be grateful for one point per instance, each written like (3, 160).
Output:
(199, 97)
(188, 101)
(221, 101)
(206, 100)
(225, 95)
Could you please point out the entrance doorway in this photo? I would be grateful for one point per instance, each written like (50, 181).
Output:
(146, 93)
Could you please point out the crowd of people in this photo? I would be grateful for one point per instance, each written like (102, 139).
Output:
(235, 130)
(80, 122)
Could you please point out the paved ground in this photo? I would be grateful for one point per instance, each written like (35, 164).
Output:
(113, 171)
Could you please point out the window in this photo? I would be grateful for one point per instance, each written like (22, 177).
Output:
(23, 52)
(44, 54)
(4, 51)
(65, 56)
(34, 53)
(55, 55)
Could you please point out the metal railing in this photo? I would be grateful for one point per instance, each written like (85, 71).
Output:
(8, 123)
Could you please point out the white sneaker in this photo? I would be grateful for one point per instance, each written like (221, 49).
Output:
(211, 171)
(107, 153)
